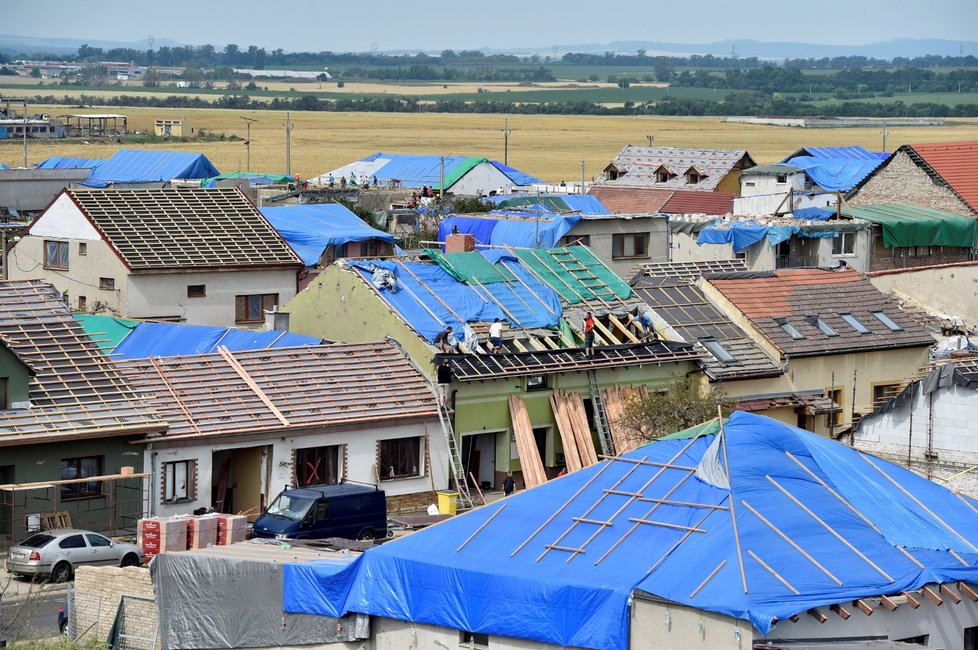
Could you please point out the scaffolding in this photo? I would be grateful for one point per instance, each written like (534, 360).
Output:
(29, 507)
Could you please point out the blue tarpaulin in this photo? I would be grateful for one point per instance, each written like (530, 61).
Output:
(521, 229)
(854, 152)
(64, 162)
(864, 526)
(836, 174)
(172, 339)
(2, 166)
(138, 166)
(309, 229)
(420, 304)
(814, 214)
(519, 178)
(581, 203)
(739, 235)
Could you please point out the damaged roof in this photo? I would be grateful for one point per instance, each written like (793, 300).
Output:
(809, 312)
(953, 164)
(636, 200)
(338, 385)
(637, 167)
(184, 228)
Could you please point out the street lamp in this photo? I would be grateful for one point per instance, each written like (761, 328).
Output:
(248, 121)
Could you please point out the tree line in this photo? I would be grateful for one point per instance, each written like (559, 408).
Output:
(792, 80)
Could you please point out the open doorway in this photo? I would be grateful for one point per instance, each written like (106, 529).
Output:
(479, 459)
(238, 481)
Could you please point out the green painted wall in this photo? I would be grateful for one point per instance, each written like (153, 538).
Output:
(17, 375)
(42, 462)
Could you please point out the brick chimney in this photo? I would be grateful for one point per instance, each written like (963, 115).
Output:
(459, 243)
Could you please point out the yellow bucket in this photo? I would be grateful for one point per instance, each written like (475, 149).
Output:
(447, 502)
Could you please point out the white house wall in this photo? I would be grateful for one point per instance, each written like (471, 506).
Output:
(361, 458)
(481, 179)
(765, 204)
(64, 220)
(164, 295)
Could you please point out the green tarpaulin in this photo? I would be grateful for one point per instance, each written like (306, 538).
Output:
(575, 273)
(106, 331)
(466, 267)
(708, 428)
(914, 225)
(461, 170)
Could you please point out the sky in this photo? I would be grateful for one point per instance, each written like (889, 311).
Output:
(433, 25)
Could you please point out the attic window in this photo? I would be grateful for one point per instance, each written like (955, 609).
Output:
(780, 179)
(883, 318)
(856, 325)
(662, 175)
(789, 329)
(694, 176)
(824, 327)
(721, 353)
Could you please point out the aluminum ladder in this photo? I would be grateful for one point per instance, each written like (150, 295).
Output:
(455, 458)
(600, 416)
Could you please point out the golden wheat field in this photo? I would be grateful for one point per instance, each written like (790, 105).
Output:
(550, 147)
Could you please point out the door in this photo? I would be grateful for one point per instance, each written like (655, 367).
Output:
(245, 479)
(101, 550)
(74, 549)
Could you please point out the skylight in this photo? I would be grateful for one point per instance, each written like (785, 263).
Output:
(825, 328)
(721, 353)
(883, 318)
(856, 325)
(789, 329)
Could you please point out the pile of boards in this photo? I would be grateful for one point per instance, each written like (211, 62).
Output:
(157, 535)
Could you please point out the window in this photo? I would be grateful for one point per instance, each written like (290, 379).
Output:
(634, 245)
(56, 255)
(77, 468)
(251, 309)
(661, 176)
(856, 325)
(196, 290)
(574, 240)
(82, 248)
(473, 639)
(400, 458)
(750, 184)
(537, 382)
(883, 318)
(82, 303)
(884, 392)
(844, 243)
(824, 327)
(72, 541)
(721, 353)
(107, 284)
(317, 465)
(179, 481)
(370, 248)
(780, 179)
(789, 329)
(97, 541)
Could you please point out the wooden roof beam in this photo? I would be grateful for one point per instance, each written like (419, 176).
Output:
(968, 591)
(843, 613)
(949, 593)
(932, 596)
(817, 615)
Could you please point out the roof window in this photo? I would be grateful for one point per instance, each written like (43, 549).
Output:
(856, 325)
(883, 318)
(721, 353)
(789, 329)
(824, 327)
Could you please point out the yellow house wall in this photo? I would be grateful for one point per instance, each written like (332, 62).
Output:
(730, 183)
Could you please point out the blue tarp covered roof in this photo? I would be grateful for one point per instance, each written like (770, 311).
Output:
(587, 204)
(854, 152)
(64, 162)
(414, 170)
(2, 166)
(423, 288)
(836, 174)
(745, 234)
(309, 229)
(172, 339)
(139, 166)
(759, 523)
(519, 178)
(527, 230)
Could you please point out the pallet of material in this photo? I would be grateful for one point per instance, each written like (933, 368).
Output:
(575, 431)
(526, 445)
(157, 535)
(231, 529)
(201, 531)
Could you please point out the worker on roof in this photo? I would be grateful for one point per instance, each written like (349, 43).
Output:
(588, 336)
(496, 336)
(444, 341)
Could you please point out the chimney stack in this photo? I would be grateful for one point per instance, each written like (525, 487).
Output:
(459, 243)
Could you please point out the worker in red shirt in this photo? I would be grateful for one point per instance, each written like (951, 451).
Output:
(588, 336)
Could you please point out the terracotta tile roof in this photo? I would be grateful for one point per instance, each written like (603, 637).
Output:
(794, 297)
(639, 200)
(954, 163)
(334, 386)
(184, 228)
(637, 167)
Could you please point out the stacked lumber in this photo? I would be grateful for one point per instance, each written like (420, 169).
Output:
(526, 445)
(616, 401)
(575, 430)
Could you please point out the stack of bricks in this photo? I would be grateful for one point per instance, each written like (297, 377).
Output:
(97, 593)
(161, 534)
(231, 529)
(201, 531)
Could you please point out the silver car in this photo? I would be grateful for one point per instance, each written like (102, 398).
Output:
(57, 553)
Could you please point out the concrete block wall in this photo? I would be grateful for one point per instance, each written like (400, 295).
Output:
(97, 593)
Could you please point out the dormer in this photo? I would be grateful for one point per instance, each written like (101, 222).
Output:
(613, 172)
(694, 175)
(663, 174)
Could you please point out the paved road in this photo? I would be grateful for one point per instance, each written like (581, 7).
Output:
(34, 617)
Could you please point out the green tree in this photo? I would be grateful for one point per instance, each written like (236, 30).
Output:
(151, 79)
(683, 404)
(35, 73)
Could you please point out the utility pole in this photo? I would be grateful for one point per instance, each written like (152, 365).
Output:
(441, 182)
(582, 177)
(25, 133)
(248, 121)
(506, 142)
(883, 132)
(288, 145)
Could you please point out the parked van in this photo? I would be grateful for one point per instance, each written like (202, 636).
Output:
(321, 511)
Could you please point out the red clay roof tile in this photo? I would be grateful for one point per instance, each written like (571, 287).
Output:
(956, 163)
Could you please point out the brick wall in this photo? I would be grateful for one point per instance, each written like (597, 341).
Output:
(97, 593)
(901, 181)
(416, 502)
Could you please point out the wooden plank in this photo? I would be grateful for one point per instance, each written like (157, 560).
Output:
(572, 455)
(526, 446)
(932, 595)
(708, 578)
(582, 430)
(841, 611)
(967, 590)
(888, 603)
(621, 326)
(863, 607)
(912, 600)
(817, 615)
(949, 593)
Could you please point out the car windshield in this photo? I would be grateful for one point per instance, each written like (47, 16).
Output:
(37, 541)
(290, 507)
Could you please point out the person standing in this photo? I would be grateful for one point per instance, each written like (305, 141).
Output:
(588, 336)
(496, 336)
(445, 376)
(509, 484)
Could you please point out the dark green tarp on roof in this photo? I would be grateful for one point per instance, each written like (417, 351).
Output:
(466, 267)
(106, 331)
(914, 225)
(567, 270)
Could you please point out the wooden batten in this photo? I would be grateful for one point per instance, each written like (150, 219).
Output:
(968, 591)
(863, 607)
(817, 615)
(932, 596)
(843, 613)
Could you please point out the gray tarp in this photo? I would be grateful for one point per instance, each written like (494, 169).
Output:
(210, 601)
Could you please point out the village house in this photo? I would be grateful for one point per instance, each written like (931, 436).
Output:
(69, 422)
(639, 200)
(702, 170)
(202, 256)
(244, 425)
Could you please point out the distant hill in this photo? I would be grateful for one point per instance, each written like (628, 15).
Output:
(10, 44)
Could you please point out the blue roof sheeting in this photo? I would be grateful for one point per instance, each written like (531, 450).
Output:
(836, 174)
(710, 530)
(137, 166)
(847, 153)
(309, 229)
(533, 230)
(2, 166)
(519, 178)
(64, 162)
(586, 204)
(174, 339)
(414, 170)
(422, 303)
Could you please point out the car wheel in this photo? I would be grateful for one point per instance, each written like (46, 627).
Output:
(63, 628)
(130, 559)
(61, 572)
(367, 535)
